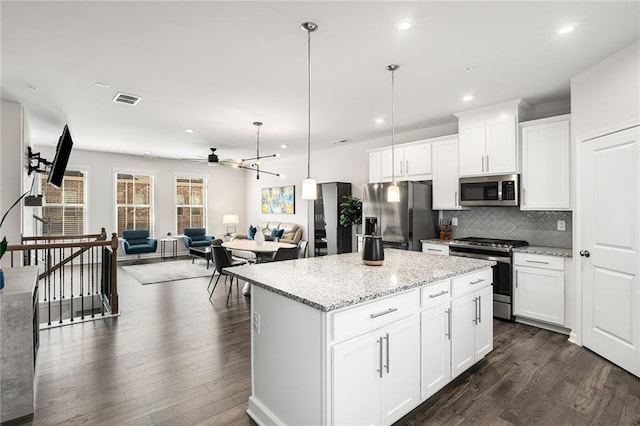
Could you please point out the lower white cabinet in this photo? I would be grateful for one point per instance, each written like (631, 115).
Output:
(374, 375)
(435, 248)
(539, 287)
(435, 339)
(471, 329)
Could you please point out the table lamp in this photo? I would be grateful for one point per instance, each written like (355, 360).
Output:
(231, 220)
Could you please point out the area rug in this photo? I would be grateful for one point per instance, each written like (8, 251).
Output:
(159, 272)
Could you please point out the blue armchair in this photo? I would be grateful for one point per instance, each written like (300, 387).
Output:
(195, 237)
(137, 241)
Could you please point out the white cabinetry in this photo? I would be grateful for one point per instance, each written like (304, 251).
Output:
(488, 139)
(435, 248)
(539, 287)
(412, 162)
(546, 163)
(471, 320)
(374, 374)
(435, 330)
(445, 174)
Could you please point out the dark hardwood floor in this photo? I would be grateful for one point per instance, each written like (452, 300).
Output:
(175, 358)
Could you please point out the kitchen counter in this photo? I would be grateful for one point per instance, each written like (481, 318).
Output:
(328, 283)
(325, 331)
(548, 251)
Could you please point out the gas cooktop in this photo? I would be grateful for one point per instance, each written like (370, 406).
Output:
(489, 243)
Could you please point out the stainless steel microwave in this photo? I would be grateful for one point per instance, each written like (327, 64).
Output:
(500, 190)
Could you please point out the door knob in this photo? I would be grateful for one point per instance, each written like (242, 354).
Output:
(585, 253)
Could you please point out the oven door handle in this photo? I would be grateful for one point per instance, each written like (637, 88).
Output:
(499, 259)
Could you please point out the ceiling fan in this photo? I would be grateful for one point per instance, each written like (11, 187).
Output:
(213, 160)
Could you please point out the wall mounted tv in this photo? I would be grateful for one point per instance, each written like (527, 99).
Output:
(59, 165)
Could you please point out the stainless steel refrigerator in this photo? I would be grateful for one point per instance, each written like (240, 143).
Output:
(401, 225)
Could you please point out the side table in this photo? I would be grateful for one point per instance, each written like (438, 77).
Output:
(163, 248)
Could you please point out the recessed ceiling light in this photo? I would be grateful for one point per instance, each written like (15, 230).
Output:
(284, 146)
(188, 131)
(468, 97)
(379, 120)
(404, 24)
(105, 85)
(566, 28)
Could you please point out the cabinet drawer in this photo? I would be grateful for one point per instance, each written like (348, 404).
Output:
(539, 261)
(436, 293)
(360, 319)
(471, 282)
(435, 248)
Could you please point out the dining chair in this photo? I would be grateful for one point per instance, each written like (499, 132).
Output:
(302, 249)
(285, 254)
(222, 260)
(216, 242)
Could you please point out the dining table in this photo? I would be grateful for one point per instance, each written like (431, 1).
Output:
(263, 250)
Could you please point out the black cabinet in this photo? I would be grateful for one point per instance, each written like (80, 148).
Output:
(328, 236)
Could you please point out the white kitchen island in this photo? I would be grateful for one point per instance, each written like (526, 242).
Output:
(336, 342)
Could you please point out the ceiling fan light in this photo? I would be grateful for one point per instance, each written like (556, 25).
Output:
(393, 193)
(309, 189)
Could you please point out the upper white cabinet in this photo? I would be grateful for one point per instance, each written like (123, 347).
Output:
(412, 161)
(488, 139)
(445, 174)
(546, 164)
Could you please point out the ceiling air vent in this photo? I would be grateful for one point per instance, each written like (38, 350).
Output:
(125, 98)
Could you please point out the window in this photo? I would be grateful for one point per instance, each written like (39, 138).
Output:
(190, 203)
(134, 199)
(65, 208)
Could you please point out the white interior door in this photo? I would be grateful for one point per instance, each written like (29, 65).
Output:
(610, 232)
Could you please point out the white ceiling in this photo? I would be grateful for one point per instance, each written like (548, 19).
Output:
(216, 67)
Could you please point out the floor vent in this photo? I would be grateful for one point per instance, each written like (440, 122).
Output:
(125, 98)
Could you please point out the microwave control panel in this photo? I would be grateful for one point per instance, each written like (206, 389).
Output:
(508, 190)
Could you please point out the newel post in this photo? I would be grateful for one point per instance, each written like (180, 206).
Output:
(114, 273)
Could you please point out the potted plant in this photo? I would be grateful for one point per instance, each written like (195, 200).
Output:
(351, 212)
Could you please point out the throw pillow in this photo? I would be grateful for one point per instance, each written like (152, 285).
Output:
(288, 235)
(277, 233)
(251, 232)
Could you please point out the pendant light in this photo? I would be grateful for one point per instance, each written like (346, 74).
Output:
(309, 187)
(256, 166)
(393, 192)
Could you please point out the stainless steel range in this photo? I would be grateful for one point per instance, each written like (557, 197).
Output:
(499, 251)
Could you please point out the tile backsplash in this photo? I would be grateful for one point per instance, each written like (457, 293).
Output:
(539, 228)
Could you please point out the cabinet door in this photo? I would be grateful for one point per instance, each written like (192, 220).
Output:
(546, 167)
(445, 175)
(400, 385)
(539, 294)
(374, 167)
(385, 164)
(472, 149)
(436, 348)
(501, 138)
(463, 318)
(417, 161)
(484, 325)
(356, 381)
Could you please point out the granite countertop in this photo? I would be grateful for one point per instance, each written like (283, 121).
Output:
(333, 282)
(548, 251)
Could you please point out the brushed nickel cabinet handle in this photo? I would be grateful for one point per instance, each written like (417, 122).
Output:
(433, 296)
(388, 362)
(478, 281)
(448, 313)
(379, 314)
(479, 309)
(487, 160)
(380, 360)
(482, 160)
(538, 261)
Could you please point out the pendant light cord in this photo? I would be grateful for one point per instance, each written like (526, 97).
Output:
(258, 153)
(393, 150)
(309, 104)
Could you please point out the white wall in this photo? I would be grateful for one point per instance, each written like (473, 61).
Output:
(11, 163)
(607, 94)
(343, 163)
(226, 187)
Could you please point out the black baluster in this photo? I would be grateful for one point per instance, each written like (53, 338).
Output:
(82, 284)
(71, 273)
